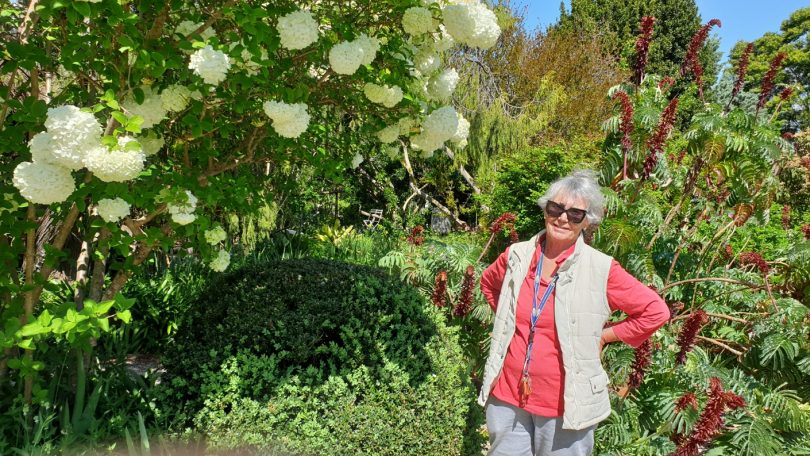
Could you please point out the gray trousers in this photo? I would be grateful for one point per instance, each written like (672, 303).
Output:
(516, 432)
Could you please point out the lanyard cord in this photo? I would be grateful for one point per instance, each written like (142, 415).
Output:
(537, 309)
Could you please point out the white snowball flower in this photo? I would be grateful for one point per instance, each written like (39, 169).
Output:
(183, 218)
(72, 132)
(392, 152)
(43, 183)
(443, 84)
(113, 210)
(356, 160)
(387, 96)
(425, 143)
(418, 20)
(426, 61)
(151, 109)
(405, 125)
(441, 124)
(186, 27)
(346, 57)
(175, 97)
(462, 132)
(41, 147)
(472, 24)
(388, 134)
(182, 213)
(370, 47)
(221, 262)
(443, 41)
(289, 120)
(120, 165)
(437, 128)
(211, 65)
(215, 235)
(151, 143)
(297, 30)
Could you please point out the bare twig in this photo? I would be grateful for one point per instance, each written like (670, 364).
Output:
(719, 344)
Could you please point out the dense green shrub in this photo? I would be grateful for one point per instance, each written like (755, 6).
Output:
(321, 357)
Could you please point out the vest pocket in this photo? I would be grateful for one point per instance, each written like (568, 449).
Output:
(599, 383)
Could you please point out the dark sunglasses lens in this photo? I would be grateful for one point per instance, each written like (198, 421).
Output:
(553, 209)
(575, 215)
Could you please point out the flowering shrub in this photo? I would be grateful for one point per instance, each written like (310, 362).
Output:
(132, 129)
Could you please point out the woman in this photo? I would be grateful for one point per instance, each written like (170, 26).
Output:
(544, 386)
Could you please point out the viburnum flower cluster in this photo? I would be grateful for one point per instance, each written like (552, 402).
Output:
(297, 30)
(387, 96)
(442, 86)
(438, 127)
(472, 24)
(388, 134)
(215, 235)
(185, 28)
(151, 143)
(113, 210)
(175, 97)
(73, 141)
(289, 120)
(221, 262)
(418, 20)
(120, 165)
(210, 64)
(182, 212)
(347, 56)
(152, 108)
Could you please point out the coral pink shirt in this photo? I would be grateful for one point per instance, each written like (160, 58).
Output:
(645, 309)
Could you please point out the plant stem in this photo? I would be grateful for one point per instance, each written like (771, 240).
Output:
(29, 298)
(719, 344)
(711, 279)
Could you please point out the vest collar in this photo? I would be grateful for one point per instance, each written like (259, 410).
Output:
(578, 246)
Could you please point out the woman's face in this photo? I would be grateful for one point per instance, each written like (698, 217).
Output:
(560, 228)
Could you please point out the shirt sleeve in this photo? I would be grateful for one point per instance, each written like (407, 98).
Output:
(646, 311)
(492, 279)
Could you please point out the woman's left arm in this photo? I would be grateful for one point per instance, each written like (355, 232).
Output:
(646, 311)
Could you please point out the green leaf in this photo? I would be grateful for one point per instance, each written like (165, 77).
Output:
(125, 316)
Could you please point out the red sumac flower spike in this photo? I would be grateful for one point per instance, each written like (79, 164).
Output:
(439, 295)
(742, 69)
(695, 45)
(767, 80)
(415, 237)
(465, 298)
(656, 141)
(688, 400)
(642, 48)
(754, 258)
(640, 364)
(710, 421)
(686, 339)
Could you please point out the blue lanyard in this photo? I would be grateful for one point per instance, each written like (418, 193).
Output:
(537, 309)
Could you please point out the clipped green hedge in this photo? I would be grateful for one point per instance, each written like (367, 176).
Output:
(321, 357)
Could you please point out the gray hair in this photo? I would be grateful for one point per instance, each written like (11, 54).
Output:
(579, 184)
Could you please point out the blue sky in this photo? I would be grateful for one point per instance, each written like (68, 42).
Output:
(742, 19)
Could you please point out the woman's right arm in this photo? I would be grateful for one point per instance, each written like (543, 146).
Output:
(492, 279)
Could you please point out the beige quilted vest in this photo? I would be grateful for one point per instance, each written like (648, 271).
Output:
(580, 313)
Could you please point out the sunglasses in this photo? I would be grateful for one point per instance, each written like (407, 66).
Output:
(574, 215)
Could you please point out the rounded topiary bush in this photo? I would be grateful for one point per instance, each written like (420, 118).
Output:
(321, 357)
